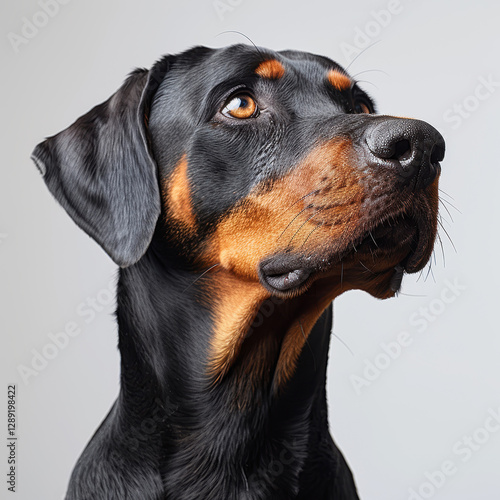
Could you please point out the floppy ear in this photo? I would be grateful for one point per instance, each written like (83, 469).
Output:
(101, 171)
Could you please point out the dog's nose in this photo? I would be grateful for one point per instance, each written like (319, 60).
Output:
(412, 149)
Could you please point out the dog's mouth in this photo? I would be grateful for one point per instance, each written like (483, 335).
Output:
(284, 272)
(402, 243)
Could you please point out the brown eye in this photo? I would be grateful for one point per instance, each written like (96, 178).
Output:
(360, 107)
(240, 106)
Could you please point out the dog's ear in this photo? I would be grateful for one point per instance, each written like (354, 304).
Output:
(101, 171)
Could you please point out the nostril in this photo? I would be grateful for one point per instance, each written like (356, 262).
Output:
(402, 150)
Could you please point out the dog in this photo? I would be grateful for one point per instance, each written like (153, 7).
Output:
(240, 191)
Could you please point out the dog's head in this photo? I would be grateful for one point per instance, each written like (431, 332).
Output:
(271, 166)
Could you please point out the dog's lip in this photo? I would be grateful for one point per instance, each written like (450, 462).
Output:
(388, 234)
(287, 272)
(399, 231)
(284, 272)
(418, 239)
(287, 280)
(403, 233)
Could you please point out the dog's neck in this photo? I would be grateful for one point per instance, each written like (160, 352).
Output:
(165, 334)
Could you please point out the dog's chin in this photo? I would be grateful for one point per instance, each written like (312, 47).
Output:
(375, 261)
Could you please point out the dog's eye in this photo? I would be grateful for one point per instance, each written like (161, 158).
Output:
(360, 107)
(240, 106)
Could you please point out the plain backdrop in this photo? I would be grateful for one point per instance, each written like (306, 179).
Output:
(431, 407)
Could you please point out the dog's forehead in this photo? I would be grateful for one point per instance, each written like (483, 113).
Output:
(244, 58)
(200, 69)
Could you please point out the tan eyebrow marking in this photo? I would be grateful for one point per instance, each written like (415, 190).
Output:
(271, 69)
(339, 79)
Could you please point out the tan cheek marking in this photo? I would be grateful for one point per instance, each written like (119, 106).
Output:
(339, 79)
(260, 226)
(177, 195)
(271, 69)
(270, 221)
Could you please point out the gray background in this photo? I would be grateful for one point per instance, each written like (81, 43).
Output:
(429, 58)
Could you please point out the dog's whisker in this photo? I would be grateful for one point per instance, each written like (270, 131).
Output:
(312, 231)
(373, 239)
(244, 36)
(343, 343)
(449, 203)
(199, 277)
(449, 237)
(369, 71)
(430, 271)
(304, 223)
(368, 82)
(293, 220)
(361, 53)
(369, 270)
(442, 248)
(428, 267)
(446, 208)
(446, 194)
(432, 274)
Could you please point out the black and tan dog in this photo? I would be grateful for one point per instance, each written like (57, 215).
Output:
(240, 190)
